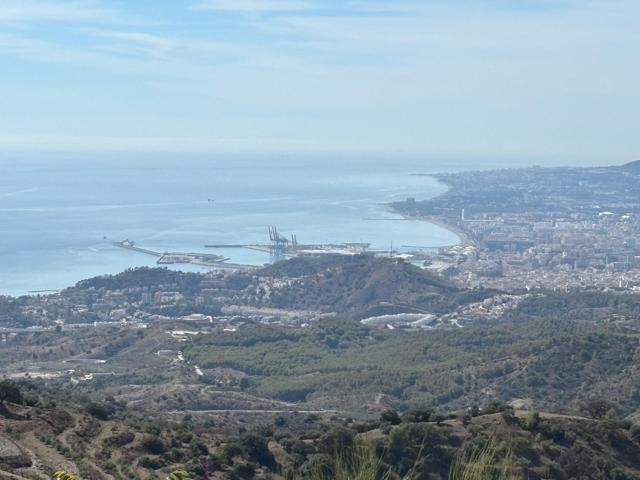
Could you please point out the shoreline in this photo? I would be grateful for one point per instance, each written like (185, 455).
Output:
(108, 266)
(463, 237)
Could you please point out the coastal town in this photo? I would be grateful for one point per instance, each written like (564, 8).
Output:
(522, 233)
(527, 229)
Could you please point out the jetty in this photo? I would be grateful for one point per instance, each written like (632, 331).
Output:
(170, 258)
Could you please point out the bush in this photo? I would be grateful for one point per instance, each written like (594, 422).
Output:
(199, 449)
(498, 407)
(231, 450)
(100, 411)
(243, 472)
(390, 416)
(406, 445)
(336, 440)
(9, 392)
(532, 421)
(153, 445)
(151, 463)
(257, 450)
(119, 439)
(598, 408)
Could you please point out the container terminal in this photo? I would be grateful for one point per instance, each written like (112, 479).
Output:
(283, 247)
(278, 247)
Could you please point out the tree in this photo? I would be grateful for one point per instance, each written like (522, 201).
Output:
(438, 418)
(336, 440)
(100, 411)
(597, 408)
(390, 416)
(257, 448)
(418, 415)
(409, 444)
(9, 392)
(153, 445)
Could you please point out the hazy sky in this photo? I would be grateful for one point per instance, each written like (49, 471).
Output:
(453, 77)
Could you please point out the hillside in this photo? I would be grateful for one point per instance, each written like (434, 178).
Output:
(556, 351)
(105, 441)
(246, 375)
(362, 285)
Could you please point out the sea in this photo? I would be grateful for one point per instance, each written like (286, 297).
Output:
(60, 216)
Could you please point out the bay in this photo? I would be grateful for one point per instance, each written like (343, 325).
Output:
(60, 216)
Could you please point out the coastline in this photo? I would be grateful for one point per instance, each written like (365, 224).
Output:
(463, 237)
(91, 254)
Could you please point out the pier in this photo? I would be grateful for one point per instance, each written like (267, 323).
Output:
(129, 245)
(170, 258)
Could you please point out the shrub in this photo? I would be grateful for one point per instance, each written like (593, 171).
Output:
(151, 463)
(390, 416)
(153, 445)
(335, 441)
(257, 450)
(417, 415)
(119, 439)
(231, 450)
(9, 392)
(598, 408)
(532, 421)
(100, 411)
(243, 471)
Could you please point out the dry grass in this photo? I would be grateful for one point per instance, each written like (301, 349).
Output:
(483, 463)
(488, 462)
(360, 464)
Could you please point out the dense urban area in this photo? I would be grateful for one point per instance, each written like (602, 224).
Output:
(539, 227)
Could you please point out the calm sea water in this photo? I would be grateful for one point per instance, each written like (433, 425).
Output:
(59, 217)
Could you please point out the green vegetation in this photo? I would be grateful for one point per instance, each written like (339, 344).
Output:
(9, 392)
(544, 351)
(464, 403)
(493, 442)
(178, 475)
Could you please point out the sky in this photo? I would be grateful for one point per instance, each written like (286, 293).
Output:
(535, 78)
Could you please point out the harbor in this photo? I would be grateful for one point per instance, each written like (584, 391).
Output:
(280, 246)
